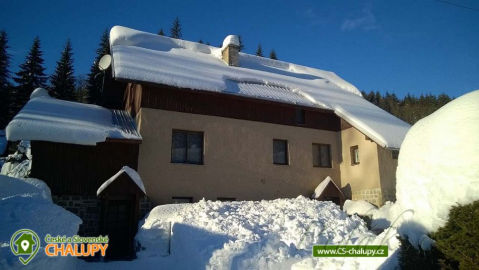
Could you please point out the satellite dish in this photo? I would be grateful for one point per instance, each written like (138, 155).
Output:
(105, 62)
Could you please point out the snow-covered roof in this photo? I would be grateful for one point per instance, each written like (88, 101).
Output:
(130, 172)
(144, 57)
(44, 118)
(322, 186)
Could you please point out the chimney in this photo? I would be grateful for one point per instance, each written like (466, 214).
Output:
(230, 50)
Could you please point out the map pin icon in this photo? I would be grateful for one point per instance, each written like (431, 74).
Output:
(25, 245)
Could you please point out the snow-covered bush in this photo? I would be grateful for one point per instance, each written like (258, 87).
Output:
(19, 163)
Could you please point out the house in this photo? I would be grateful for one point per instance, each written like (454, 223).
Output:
(220, 124)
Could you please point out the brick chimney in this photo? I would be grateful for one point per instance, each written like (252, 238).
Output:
(230, 50)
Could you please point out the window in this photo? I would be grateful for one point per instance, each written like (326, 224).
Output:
(354, 155)
(187, 147)
(321, 155)
(280, 152)
(182, 199)
(226, 199)
(395, 154)
(300, 116)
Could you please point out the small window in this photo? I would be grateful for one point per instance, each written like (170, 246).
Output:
(300, 116)
(187, 147)
(395, 154)
(321, 155)
(182, 199)
(226, 199)
(280, 152)
(354, 155)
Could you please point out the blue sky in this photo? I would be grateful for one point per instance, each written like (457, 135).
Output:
(404, 46)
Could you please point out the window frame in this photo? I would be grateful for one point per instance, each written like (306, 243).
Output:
(187, 132)
(330, 163)
(286, 152)
(353, 155)
(226, 199)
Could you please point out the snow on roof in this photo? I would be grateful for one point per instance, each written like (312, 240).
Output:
(231, 40)
(44, 118)
(144, 57)
(322, 186)
(130, 172)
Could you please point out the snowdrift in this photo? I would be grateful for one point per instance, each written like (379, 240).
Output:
(438, 165)
(26, 203)
(277, 234)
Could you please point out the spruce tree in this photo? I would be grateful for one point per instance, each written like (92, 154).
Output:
(4, 82)
(200, 41)
(272, 55)
(259, 51)
(30, 76)
(94, 82)
(175, 31)
(241, 45)
(63, 79)
(161, 33)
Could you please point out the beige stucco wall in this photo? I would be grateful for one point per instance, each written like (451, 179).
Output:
(387, 171)
(238, 158)
(374, 178)
(361, 181)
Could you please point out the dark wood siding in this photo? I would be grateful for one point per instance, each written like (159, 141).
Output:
(79, 169)
(225, 105)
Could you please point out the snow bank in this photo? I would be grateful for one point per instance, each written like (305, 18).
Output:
(362, 208)
(125, 169)
(146, 57)
(253, 235)
(438, 164)
(26, 203)
(44, 118)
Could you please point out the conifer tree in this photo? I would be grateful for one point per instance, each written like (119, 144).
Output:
(241, 45)
(63, 79)
(5, 86)
(30, 76)
(200, 41)
(175, 31)
(259, 51)
(95, 81)
(272, 55)
(161, 33)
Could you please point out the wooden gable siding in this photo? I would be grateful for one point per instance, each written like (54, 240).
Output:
(80, 169)
(225, 105)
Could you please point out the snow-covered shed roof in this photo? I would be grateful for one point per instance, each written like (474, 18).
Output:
(44, 118)
(144, 57)
(318, 191)
(130, 172)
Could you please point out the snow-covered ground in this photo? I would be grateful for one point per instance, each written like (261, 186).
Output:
(276, 234)
(26, 203)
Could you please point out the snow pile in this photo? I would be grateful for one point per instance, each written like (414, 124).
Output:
(439, 162)
(44, 118)
(19, 163)
(26, 203)
(362, 208)
(276, 234)
(231, 40)
(131, 173)
(145, 57)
